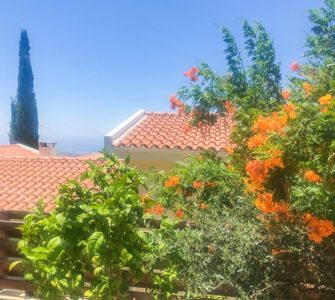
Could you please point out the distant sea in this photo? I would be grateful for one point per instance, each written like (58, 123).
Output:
(71, 146)
(79, 146)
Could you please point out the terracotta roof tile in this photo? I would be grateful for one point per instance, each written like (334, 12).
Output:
(25, 180)
(165, 130)
(17, 150)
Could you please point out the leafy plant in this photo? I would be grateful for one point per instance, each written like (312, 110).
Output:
(91, 237)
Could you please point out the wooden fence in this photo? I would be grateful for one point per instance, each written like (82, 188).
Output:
(9, 237)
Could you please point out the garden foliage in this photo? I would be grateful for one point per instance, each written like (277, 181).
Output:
(92, 233)
(257, 223)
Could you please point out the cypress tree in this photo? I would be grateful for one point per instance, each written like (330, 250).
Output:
(24, 123)
(12, 134)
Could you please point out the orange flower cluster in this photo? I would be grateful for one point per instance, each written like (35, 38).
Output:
(175, 102)
(295, 67)
(187, 128)
(157, 209)
(257, 173)
(308, 88)
(258, 170)
(290, 109)
(179, 213)
(275, 160)
(144, 198)
(192, 73)
(311, 176)
(173, 181)
(228, 149)
(286, 94)
(325, 100)
(210, 184)
(230, 109)
(318, 229)
(203, 206)
(274, 123)
(257, 140)
(198, 184)
(265, 203)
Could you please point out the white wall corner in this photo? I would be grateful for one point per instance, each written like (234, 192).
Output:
(119, 130)
(29, 148)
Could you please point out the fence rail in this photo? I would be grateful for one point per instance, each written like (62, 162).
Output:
(9, 237)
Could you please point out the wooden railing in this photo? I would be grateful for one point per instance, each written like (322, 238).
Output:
(9, 237)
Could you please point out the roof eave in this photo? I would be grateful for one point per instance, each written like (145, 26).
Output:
(121, 129)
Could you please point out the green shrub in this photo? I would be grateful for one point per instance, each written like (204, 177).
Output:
(93, 231)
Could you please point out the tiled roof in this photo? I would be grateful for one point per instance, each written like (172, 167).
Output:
(25, 180)
(166, 130)
(17, 150)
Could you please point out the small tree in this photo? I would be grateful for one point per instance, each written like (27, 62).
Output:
(24, 121)
(93, 231)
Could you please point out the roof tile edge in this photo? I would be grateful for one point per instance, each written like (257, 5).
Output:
(122, 128)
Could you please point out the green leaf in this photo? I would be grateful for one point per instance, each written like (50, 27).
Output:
(95, 242)
(14, 264)
(28, 277)
(78, 280)
(53, 243)
(97, 271)
(125, 256)
(88, 294)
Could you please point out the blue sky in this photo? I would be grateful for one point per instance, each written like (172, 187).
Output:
(97, 62)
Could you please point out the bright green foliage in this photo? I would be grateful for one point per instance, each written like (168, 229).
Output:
(310, 145)
(209, 171)
(24, 122)
(93, 231)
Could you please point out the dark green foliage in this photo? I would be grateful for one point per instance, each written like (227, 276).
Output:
(320, 43)
(24, 123)
(12, 134)
(264, 73)
(218, 252)
(238, 78)
(259, 87)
